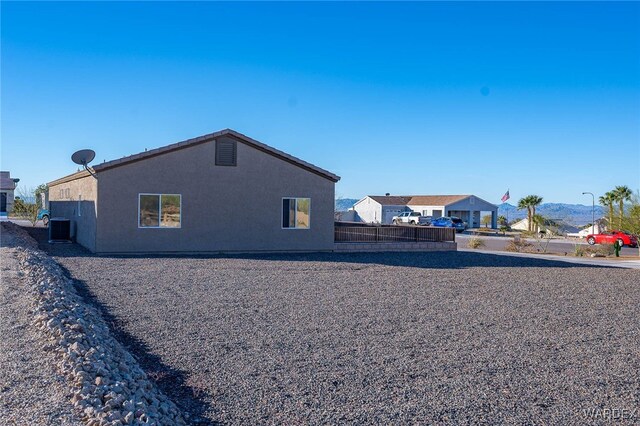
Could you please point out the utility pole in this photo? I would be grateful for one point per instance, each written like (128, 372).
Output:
(593, 211)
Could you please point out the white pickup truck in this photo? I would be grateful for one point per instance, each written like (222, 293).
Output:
(412, 218)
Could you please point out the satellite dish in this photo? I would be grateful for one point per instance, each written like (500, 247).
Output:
(83, 157)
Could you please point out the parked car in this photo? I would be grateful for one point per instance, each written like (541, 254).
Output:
(43, 215)
(426, 221)
(610, 237)
(450, 222)
(412, 218)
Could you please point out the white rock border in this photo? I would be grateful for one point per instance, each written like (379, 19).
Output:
(107, 384)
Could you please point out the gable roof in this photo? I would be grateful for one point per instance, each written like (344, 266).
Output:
(200, 140)
(390, 200)
(436, 200)
(420, 200)
(417, 200)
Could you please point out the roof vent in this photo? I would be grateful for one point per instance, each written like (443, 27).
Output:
(226, 152)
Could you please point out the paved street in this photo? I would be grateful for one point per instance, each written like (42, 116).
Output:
(559, 246)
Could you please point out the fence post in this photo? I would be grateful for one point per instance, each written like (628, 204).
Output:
(377, 234)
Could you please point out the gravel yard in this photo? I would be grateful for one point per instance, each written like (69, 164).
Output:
(374, 338)
(31, 393)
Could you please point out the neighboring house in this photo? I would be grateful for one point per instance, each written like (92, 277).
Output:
(550, 226)
(7, 189)
(220, 192)
(382, 208)
(348, 216)
(599, 227)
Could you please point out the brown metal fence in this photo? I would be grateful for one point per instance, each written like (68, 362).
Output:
(384, 234)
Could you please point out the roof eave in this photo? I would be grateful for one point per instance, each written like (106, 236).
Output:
(283, 155)
(210, 137)
(74, 176)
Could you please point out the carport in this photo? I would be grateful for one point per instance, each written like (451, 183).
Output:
(469, 208)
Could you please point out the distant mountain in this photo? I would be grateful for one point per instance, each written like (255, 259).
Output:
(575, 214)
(344, 204)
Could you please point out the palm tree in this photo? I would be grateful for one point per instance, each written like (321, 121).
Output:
(530, 202)
(607, 200)
(622, 194)
(539, 223)
(523, 203)
(535, 202)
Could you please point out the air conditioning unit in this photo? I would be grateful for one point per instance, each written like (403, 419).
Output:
(59, 230)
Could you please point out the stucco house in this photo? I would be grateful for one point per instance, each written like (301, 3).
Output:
(222, 192)
(382, 208)
(599, 227)
(550, 226)
(7, 189)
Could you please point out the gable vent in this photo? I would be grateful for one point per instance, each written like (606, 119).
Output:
(226, 153)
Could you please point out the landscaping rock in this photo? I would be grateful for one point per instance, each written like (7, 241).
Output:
(88, 356)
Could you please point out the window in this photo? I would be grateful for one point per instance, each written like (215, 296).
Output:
(79, 205)
(159, 210)
(226, 152)
(295, 213)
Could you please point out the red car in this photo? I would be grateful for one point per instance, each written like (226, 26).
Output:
(610, 237)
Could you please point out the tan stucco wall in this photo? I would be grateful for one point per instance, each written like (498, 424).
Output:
(63, 202)
(223, 208)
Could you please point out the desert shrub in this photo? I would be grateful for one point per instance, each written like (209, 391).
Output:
(475, 243)
(518, 245)
(19, 206)
(25, 210)
(605, 249)
(600, 250)
(579, 250)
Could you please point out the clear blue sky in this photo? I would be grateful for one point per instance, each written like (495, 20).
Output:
(406, 98)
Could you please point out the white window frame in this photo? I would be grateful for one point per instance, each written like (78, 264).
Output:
(159, 212)
(296, 210)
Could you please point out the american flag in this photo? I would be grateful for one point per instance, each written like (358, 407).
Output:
(505, 197)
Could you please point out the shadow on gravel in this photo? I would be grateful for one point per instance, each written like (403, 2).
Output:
(171, 381)
(429, 260)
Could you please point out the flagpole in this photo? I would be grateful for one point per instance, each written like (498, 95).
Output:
(504, 199)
